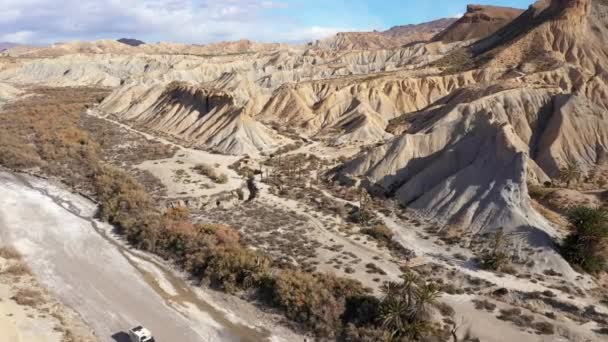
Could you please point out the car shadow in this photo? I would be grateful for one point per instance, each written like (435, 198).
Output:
(121, 337)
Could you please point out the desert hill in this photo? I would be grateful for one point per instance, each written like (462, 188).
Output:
(6, 46)
(162, 48)
(478, 22)
(509, 112)
(457, 130)
(468, 158)
(395, 37)
(207, 116)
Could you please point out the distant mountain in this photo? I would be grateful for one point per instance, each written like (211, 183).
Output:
(131, 41)
(396, 36)
(6, 45)
(409, 33)
(478, 22)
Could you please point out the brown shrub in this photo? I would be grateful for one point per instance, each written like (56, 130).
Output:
(379, 232)
(211, 173)
(544, 328)
(17, 269)
(9, 253)
(28, 297)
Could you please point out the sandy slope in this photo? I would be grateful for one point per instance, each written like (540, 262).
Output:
(8, 93)
(18, 324)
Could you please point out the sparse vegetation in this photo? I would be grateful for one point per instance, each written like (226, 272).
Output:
(28, 297)
(379, 232)
(495, 259)
(570, 173)
(212, 254)
(9, 253)
(16, 269)
(404, 310)
(517, 317)
(211, 173)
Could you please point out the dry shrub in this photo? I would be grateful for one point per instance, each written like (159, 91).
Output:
(211, 173)
(17, 269)
(544, 328)
(379, 232)
(9, 253)
(28, 297)
(318, 302)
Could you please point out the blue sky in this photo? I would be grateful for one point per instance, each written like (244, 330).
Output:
(205, 21)
(381, 14)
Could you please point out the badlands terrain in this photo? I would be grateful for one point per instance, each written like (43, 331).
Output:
(432, 182)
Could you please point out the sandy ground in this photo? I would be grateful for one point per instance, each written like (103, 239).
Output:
(22, 323)
(185, 159)
(476, 321)
(365, 251)
(18, 324)
(29, 314)
(111, 288)
(427, 249)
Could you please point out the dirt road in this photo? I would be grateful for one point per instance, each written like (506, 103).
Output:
(111, 287)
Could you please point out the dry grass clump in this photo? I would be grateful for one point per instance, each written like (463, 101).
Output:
(516, 316)
(16, 269)
(379, 232)
(211, 173)
(28, 297)
(484, 305)
(7, 252)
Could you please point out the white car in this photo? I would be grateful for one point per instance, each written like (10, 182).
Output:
(140, 334)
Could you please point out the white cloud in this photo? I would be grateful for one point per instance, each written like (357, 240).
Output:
(21, 37)
(457, 15)
(189, 21)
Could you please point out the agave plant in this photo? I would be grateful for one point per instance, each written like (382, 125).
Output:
(570, 173)
(406, 306)
(426, 295)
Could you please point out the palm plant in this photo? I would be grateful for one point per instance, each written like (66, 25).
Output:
(587, 244)
(426, 295)
(405, 307)
(394, 315)
(572, 172)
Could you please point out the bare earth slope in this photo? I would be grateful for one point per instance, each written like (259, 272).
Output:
(209, 117)
(457, 131)
(466, 160)
(394, 37)
(478, 22)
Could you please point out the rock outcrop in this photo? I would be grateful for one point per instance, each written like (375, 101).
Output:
(459, 126)
(467, 158)
(207, 118)
(478, 22)
(395, 37)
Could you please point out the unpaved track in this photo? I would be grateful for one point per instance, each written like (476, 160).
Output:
(96, 277)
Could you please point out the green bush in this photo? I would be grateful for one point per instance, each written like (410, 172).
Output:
(405, 308)
(304, 299)
(585, 246)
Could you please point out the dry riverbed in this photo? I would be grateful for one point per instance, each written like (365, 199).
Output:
(111, 287)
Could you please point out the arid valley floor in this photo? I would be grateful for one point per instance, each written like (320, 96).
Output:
(421, 183)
